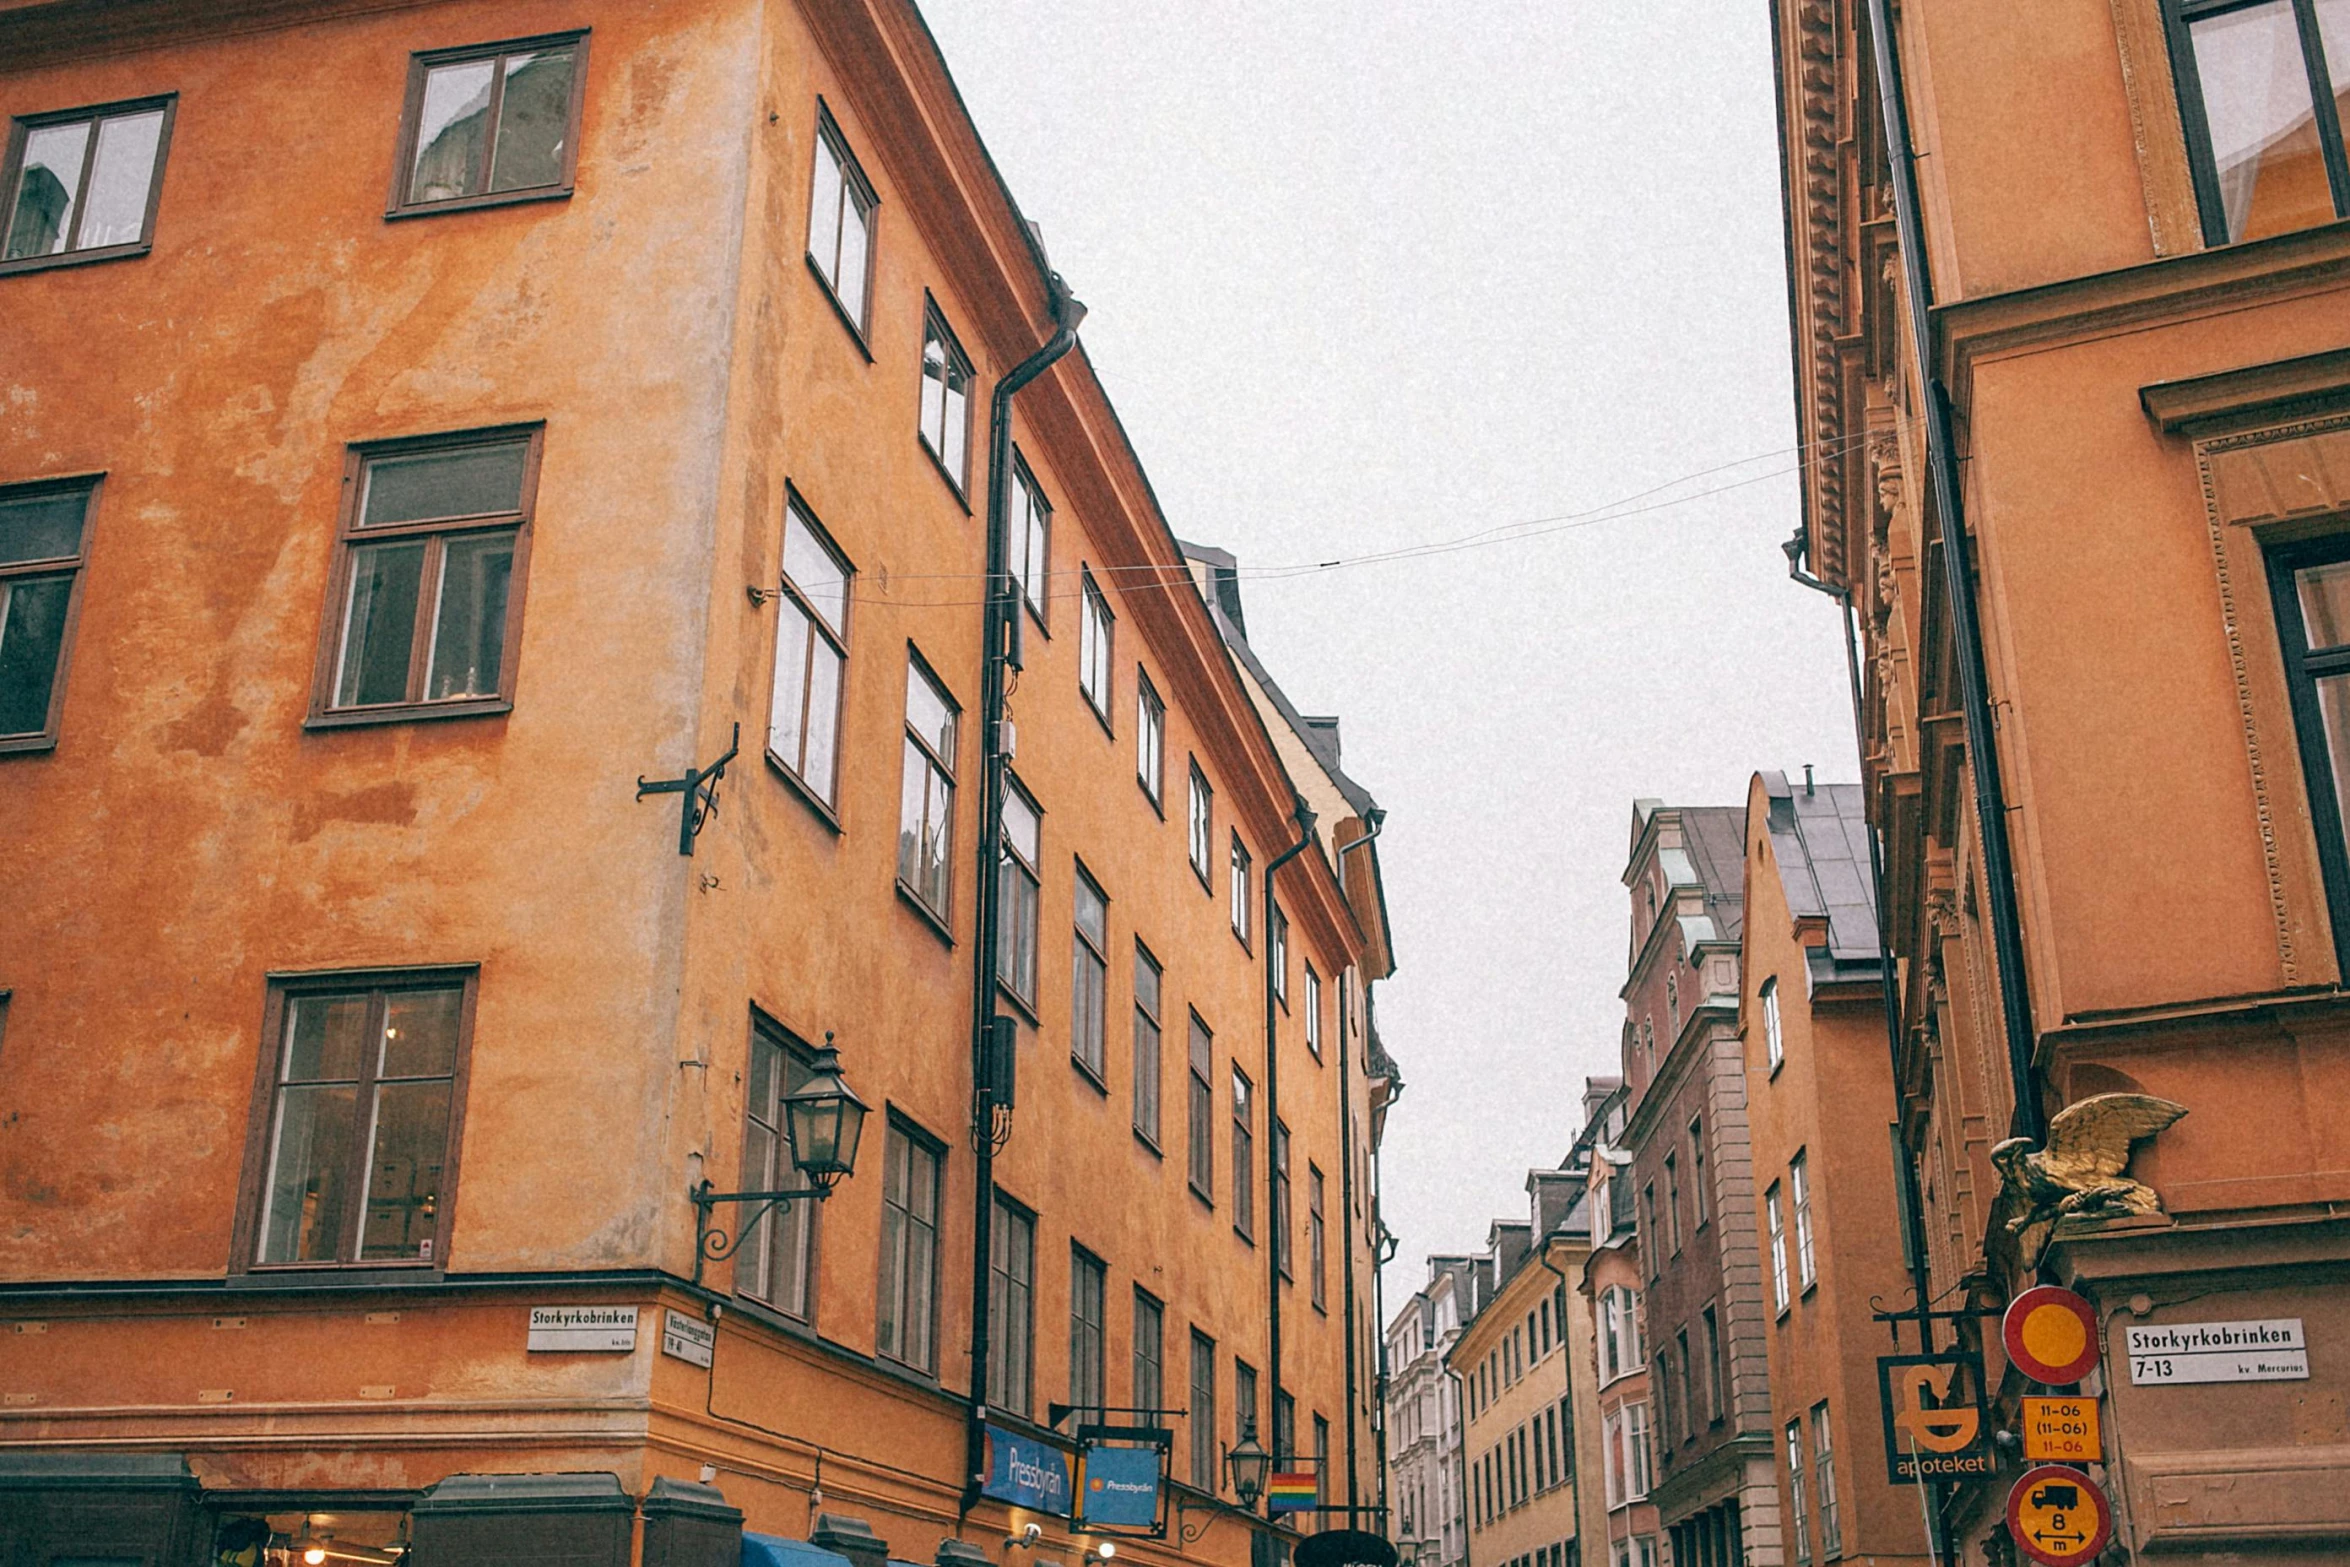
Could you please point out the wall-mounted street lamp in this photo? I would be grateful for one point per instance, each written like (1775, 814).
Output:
(823, 1119)
(1248, 1464)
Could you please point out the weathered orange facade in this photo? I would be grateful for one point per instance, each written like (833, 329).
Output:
(1819, 1102)
(207, 830)
(2140, 316)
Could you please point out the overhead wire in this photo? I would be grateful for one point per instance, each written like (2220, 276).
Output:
(1163, 573)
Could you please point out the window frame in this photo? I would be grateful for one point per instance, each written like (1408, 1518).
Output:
(351, 537)
(1009, 1216)
(1150, 740)
(1317, 1238)
(261, 1118)
(1082, 948)
(1155, 1016)
(1807, 1269)
(421, 65)
(934, 324)
(1199, 1107)
(1200, 825)
(1313, 1011)
(1243, 889)
(823, 798)
(1823, 1474)
(1775, 1234)
(74, 568)
(940, 919)
(1097, 649)
(1031, 510)
(1774, 1036)
(2304, 667)
(765, 1028)
(1793, 1452)
(1089, 1340)
(2325, 79)
(20, 132)
(1284, 1227)
(899, 1129)
(1202, 1413)
(1148, 1397)
(1244, 1155)
(1012, 911)
(830, 135)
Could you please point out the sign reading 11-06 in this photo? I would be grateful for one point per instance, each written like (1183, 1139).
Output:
(2271, 1351)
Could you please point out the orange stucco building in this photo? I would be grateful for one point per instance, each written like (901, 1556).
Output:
(1818, 1107)
(428, 423)
(2071, 296)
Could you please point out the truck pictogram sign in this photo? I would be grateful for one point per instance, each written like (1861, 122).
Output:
(2058, 1516)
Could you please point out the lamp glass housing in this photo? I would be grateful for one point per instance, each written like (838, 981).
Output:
(824, 1119)
(1250, 1464)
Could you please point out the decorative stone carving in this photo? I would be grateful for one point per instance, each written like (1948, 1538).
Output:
(2078, 1174)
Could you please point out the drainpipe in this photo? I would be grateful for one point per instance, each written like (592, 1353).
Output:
(999, 640)
(1966, 632)
(1277, 1142)
(1374, 820)
(1910, 1215)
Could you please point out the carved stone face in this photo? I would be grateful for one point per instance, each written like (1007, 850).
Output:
(2008, 1157)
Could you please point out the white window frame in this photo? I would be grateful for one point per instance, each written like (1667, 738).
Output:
(1774, 1042)
(1775, 1228)
(1799, 1200)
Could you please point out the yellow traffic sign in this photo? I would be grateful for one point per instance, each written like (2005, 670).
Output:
(2058, 1516)
(2061, 1431)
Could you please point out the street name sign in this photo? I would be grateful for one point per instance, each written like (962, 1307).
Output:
(2050, 1335)
(683, 1338)
(582, 1329)
(1934, 1423)
(2274, 1350)
(2061, 1431)
(2058, 1516)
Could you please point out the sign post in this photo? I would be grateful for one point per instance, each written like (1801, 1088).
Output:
(2058, 1516)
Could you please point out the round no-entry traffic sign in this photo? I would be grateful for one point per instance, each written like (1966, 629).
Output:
(2059, 1516)
(2051, 1335)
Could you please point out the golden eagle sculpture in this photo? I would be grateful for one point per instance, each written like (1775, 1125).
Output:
(2078, 1174)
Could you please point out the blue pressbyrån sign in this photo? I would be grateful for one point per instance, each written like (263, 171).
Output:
(1118, 1486)
(1026, 1472)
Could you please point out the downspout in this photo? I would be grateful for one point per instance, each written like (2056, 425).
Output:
(1966, 631)
(999, 638)
(1909, 1214)
(1374, 820)
(1277, 1141)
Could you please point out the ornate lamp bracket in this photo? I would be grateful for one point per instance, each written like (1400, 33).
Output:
(712, 1244)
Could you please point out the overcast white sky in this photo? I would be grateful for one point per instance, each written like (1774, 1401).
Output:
(1369, 275)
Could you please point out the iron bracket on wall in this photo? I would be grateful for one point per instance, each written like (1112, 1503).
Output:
(699, 787)
(712, 1244)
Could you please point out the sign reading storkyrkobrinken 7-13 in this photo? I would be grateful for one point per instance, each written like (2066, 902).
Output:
(2274, 1350)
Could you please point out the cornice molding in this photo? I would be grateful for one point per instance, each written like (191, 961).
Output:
(2203, 404)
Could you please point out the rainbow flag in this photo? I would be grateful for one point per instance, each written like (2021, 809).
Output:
(1293, 1491)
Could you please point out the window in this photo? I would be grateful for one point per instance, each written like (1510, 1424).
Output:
(1240, 892)
(490, 124)
(1146, 1045)
(1088, 1284)
(1244, 1155)
(945, 419)
(772, 1265)
(1777, 1227)
(1031, 539)
(1799, 1189)
(1011, 1286)
(1619, 1333)
(1717, 1399)
(1281, 1226)
(909, 1248)
(1661, 1381)
(2261, 88)
(1802, 1524)
(811, 649)
(1636, 1448)
(1689, 1419)
(926, 820)
(1673, 1202)
(2310, 589)
(1697, 1200)
(1094, 639)
(1016, 893)
(1150, 740)
(1203, 823)
(1089, 980)
(1244, 1401)
(1824, 1475)
(1277, 955)
(1150, 1346)
(1203, 1412)
(1774, 1044)
(1317, 1239)
(83, 184)
(1672, 1006)
(1651, 1240)
(1203, 1110)
(1322, 1462)
(364, 1092)
(429, 561)
(840, 222)
(1313, 1012)
(1284, 1428)
(44, 533)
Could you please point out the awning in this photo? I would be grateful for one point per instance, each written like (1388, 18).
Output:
(773, 1550)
